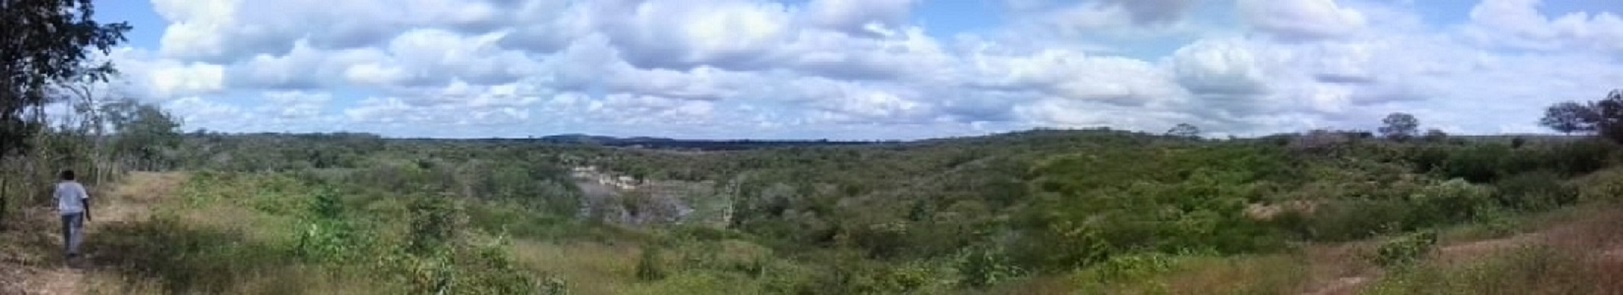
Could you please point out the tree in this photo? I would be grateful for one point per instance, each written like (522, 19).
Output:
(1608, 116)
(1568, 117)
(1435, 135)
(1400, 126)
(144, 132)
(1184, 130)
(44, 42)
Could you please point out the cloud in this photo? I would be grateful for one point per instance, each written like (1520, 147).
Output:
(1221, 67)
(1520, 24)
(908, 54)
(842, 102)
(434, 57)
(729, 34)
(162, 79)
(197, 112)
(295, 104)
(1154, 12)
(1075, 75)
(859, 17)
(748, 68)
(225, 30)
(1301, 19)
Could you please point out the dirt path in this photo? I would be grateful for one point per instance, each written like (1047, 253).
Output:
(30, 260)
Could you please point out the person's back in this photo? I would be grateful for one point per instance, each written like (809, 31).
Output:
(70, 197)
(73, 203)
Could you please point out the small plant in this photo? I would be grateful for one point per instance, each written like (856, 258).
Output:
(649, 266)
(553, 285)
(432, 224)
(1535, 191)
(906, 278)
(1134, 267)
(1406, 250)
(985, 266)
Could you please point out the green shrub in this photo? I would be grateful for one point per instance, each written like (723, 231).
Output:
(434, 221)
(1603, 186)
(1449, 202)
(980, 267)
(1477, 163)
(553, 285)
(1343, 220)
(488, 268)
(1534, 191)
(905, 278)
(1405, 250)
(650, 266)
(1428, 158)
(1579, 157)
(1135, 267)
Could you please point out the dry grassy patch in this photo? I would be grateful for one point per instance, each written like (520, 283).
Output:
(590, 268)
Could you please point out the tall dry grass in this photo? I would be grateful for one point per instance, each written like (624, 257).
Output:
(1584, 256)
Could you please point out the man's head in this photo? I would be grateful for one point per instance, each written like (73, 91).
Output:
(67, 175)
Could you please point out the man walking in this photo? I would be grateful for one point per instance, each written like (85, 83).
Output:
(74, 204)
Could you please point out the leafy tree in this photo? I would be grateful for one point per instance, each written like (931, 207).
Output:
(1399, 126)
(1568, 117)
(1608, 118)
(45, 42)
(145, 131)
(1184, 130)
(1435, 135)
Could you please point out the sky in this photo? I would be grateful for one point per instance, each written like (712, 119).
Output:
(860, 69)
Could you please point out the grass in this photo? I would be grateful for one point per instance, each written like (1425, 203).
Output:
(1191, 274)
(1571, 250)
(248, 233)
(1581, 254)
(236, 234)
(589, 268)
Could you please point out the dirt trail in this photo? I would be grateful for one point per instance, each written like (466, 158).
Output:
(30, 259)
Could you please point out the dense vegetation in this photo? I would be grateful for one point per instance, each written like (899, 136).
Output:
(1095, 206)
(1041, 211)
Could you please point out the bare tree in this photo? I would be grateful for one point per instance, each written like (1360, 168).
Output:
(88, 100)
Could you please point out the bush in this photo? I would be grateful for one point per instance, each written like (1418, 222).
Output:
(434, 222)
(650, 267)
(1580, 157)
(1534, 191)
(1478, 163)
(1406, 250)
(489, 269)
(1449, 202)
(1135, 267)
(1428, 158)
(1603, 186)
(980, 267)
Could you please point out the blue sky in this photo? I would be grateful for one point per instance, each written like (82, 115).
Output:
(860, 69)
